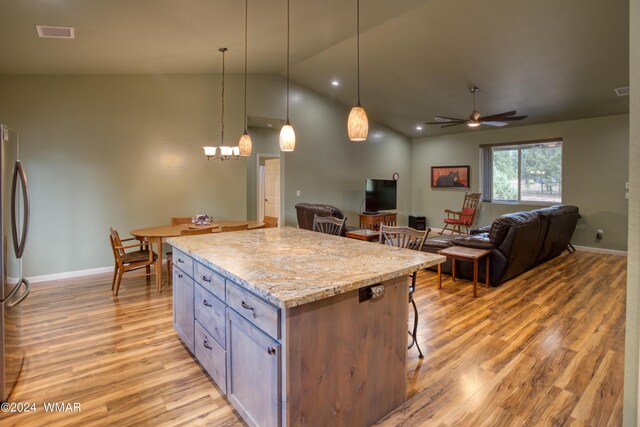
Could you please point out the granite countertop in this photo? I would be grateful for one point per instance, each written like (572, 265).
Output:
(290, 267)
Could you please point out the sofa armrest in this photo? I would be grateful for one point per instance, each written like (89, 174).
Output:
(480, 230)
(477, 242)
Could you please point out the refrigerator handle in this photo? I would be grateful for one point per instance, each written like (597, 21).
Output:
(24, 295)
(18, 172)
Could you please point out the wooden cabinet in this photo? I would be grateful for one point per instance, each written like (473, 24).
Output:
(372, 222)
(253, 372)
(183, 310)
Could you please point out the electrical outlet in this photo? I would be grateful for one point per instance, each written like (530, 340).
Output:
(599, 234)
(626, 185)
(298, 193)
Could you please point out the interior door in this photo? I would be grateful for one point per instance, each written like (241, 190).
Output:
(272, 188)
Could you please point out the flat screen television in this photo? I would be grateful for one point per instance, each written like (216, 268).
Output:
(380, 195)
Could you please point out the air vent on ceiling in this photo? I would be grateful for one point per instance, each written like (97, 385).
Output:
(49, 32)
(622, 91)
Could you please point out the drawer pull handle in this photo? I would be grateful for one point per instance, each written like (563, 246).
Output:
(248, 307)
(206, 279)
(180, 275)
(206, 303)
(271, 350)
(180, 261)
(206, 345)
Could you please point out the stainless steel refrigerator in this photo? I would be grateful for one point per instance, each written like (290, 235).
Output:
(14, 209)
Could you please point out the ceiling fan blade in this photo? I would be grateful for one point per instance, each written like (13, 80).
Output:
(447, 119)
(498, 116)
(453, 124)
(495, 123)
(510, 119)
(457, 122)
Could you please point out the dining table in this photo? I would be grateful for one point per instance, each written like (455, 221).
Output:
(156, 234)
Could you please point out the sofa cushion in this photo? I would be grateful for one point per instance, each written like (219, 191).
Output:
(440, 242)
(477, 242)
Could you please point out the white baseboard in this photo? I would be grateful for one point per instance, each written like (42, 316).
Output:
(600, 251)
(72, 274)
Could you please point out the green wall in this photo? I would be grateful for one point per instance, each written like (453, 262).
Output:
(126, 152)
(327, 168)
(630, 413)
(595, 169)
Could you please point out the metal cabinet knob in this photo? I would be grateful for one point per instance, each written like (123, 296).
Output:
(271, 350)
(206, 279)
(206, 345)
(206, 303)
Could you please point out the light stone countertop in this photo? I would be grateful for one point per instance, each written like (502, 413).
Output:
(290, 267)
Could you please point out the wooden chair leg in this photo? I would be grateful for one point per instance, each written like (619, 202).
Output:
(147, 270)
(169, 268)
(115, 273)
(443, 230)
(119, 280)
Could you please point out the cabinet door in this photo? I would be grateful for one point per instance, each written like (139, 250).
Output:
(183, 307)
(253, 372)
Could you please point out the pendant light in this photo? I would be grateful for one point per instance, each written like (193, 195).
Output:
(222, 152)
(245, 140)
(287, 134)
(358, 124)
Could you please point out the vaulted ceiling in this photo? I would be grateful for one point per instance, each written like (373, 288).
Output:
(551, 60)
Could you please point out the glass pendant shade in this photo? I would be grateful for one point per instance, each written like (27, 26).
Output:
(358, 124)
(287, 138)
(245, 145)
(210, 151)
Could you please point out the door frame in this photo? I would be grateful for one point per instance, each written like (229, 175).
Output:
(260, 185)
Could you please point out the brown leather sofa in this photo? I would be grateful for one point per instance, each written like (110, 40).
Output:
(306, 212)
(518, 241)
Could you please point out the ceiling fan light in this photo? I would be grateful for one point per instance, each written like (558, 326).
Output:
(473, 124)
(245, 144)
(287, 138)
(358, 124)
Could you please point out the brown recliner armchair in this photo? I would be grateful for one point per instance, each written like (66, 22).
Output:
(306, 212)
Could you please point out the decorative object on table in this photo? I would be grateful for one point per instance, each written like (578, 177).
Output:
(358, 123)
(407, 238)
(202, 219)
(245, 144)
(450, 177)
(463, 218)
(475, 119)
(287, 134)
(223, 152)
(129, 261)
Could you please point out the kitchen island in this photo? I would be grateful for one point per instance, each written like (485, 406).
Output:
(297, 327)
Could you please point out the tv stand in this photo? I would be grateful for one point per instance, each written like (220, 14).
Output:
(372, 222)
(370, 213)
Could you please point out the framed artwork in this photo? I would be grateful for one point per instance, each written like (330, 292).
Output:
(450, 177)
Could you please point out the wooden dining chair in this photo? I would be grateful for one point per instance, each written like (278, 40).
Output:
(227, 228)
(328, 224)
(270, 222)
(408, 238)
(129, 261)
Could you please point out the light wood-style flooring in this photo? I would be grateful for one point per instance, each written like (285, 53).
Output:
(543, 349)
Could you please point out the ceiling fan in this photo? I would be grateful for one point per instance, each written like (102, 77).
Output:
(475, 119)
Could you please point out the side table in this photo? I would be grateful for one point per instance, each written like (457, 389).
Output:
(462, 253)
(364, 234)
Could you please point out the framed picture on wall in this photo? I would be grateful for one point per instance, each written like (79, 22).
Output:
(450, 176)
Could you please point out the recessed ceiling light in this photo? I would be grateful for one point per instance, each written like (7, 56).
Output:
(269, 125)
(335, 83)
(51, 32)
(418, 127)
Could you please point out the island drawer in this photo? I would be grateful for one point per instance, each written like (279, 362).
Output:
(210, 280)
(183, 261)
(210, 313)
(259, 312)
(212, 357)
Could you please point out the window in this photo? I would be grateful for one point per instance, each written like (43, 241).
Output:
(522, 173)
